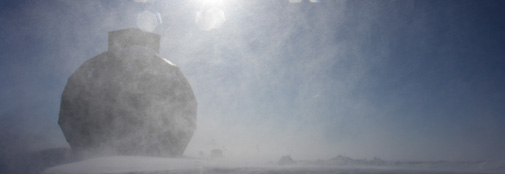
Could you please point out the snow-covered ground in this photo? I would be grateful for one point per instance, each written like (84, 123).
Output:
(138, 164)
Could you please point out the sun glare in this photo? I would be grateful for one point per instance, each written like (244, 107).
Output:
(210, 14)
(213, 3)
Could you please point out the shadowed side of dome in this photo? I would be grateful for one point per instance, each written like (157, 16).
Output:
(128, 101)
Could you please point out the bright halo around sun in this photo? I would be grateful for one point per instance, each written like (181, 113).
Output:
(210, 14)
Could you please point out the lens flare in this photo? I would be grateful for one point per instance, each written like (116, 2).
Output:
(148, 21)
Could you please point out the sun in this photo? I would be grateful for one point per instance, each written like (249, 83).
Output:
(209, 3)
(210, 14)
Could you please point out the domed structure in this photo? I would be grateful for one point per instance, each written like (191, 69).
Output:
(128, 101)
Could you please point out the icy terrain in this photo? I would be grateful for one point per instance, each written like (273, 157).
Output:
(137, 164)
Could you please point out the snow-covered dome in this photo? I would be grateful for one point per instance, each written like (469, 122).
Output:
(128, 101)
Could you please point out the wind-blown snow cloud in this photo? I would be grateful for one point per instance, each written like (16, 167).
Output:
(399, 80)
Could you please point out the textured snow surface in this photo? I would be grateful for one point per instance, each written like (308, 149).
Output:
(150, 165)
(126, 164)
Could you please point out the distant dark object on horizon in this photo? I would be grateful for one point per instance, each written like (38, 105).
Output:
(216, 153)
(285, 160)
(128, 101)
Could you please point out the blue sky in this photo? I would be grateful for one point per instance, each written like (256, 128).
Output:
(416, 80)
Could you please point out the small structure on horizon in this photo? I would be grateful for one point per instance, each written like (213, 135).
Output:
(216, 153)
(286, 160)
(128, 101)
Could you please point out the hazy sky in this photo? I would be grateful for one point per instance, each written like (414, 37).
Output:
(416, 80)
